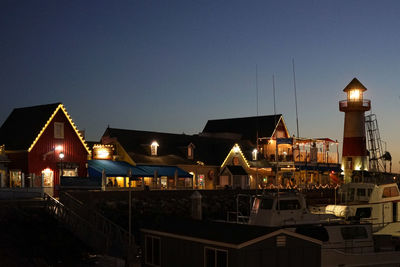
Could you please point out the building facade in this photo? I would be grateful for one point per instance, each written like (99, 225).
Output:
(42, 144)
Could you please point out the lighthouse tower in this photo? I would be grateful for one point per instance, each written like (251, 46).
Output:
(354, 154)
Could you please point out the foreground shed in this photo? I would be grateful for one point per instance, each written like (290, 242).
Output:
(182, 242)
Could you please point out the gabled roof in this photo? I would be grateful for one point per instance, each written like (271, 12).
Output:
(24, 126)
(246, 127)
(172, 148)
(355, 84)
(216, 233)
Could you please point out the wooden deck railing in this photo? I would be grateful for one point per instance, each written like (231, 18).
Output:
(92, 228)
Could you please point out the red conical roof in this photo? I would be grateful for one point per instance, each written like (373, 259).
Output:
(355, 84)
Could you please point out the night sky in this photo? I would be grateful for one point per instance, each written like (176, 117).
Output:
(170, 66)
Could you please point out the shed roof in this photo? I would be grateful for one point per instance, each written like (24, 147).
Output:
(217, 233)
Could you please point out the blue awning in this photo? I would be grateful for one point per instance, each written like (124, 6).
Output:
(124, 169)
(114, 169)
(165, 171)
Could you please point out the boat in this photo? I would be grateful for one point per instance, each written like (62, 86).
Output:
(367, 202)
(344, 242)
(284, 208)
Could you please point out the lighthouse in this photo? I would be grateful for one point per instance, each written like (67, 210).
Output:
(354, 154)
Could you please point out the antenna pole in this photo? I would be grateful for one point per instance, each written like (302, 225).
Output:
(257, 179)
(273, 87)
(276, 145)
(257, 87)
(295, 97)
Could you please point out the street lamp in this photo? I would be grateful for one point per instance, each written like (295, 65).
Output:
(61, 156)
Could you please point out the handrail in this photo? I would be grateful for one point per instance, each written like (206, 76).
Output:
(95, 212)
(117, 240)
(78, 225)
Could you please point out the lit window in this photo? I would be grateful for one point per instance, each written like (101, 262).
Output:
(215, 257)
(153, 251)
(48, 176)
(15, 178)
(190, 152)
(255, 154)
(154, 147)
(59, 130)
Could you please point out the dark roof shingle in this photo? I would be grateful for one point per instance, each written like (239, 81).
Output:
(247, 127)
(172, 148)
(23, 125)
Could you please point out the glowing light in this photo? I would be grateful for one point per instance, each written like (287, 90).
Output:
(255, 151)
(236, 149)
(61, 155)
(154, 147)
(59, 148)
(102, 151)
(355, 94)
(47, 171)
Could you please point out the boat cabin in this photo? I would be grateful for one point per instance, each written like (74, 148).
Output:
(368, 192)
(285, 208)
(377, 204)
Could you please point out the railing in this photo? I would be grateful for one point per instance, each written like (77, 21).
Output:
(365, 104)
(92, 227)
(76, 224)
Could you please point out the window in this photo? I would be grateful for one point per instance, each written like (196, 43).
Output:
(291, 204)
(254, 154)
(354, 232)
(154, 147)
(70, 172)
(215, 257)
(390, 192)
(349, 163)
(363, 212)
(316, 232)
(361, 192)
(153, 251)
(59, 130)
(48, 176)
(190, 151)
(15, 178)
(266, 203)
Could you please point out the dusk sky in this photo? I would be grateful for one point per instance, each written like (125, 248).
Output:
(170, 66)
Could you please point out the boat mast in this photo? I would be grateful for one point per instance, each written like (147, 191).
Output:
(295, 98)
(257, 180)
(276, 143)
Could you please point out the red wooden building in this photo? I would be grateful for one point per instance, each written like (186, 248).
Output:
(41, 142)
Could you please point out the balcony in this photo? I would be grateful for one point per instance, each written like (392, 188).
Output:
(355, 105)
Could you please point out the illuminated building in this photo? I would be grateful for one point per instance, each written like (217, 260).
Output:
(34, 138)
